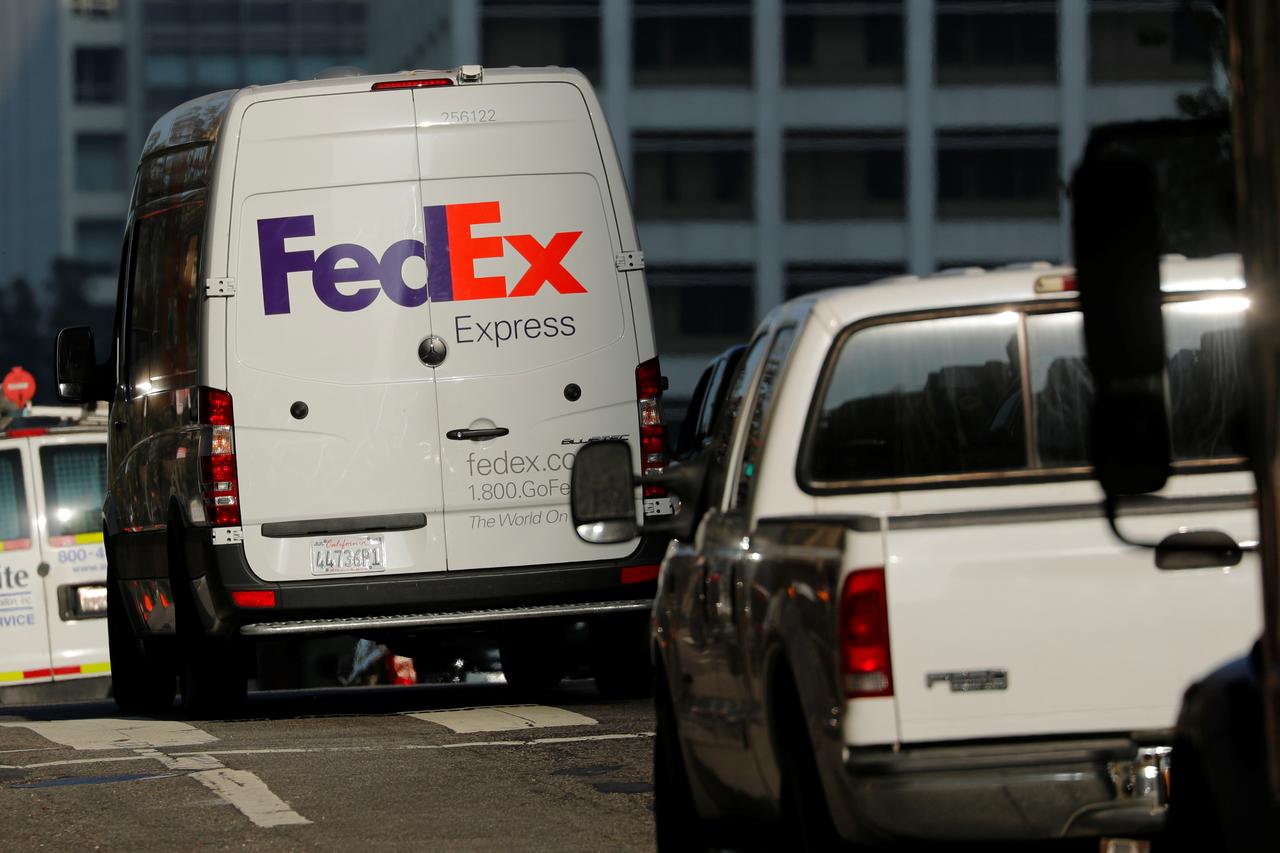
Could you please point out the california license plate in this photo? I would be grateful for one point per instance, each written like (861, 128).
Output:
(335, 555)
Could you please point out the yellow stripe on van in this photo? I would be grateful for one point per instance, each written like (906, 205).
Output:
(88, 668)
(88, 538)
(11, 676)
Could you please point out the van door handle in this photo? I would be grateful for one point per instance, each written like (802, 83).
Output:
(1200, 549)
(476, 434)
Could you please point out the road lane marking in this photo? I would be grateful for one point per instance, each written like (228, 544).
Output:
(116, 734)
(251, 796)
(503, 718)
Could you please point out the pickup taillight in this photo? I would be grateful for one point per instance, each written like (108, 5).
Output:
(864, 635)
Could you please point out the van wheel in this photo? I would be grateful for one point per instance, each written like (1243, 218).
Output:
(677, 825)
(620, 656)
(533, 656)
(212, 677)
(140, 683)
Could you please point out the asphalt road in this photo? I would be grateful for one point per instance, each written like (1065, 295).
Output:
(429, 767)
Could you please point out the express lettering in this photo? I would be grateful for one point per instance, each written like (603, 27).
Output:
(468, 330)
(450, 254)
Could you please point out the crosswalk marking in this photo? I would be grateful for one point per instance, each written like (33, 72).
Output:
(503, 718)
(117, 734)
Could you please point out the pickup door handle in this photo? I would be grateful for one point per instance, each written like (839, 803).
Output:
(476, 434)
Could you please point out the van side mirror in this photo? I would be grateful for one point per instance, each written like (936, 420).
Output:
(1116, 233)
(1143, 189)
(602, 489)
(77, 367)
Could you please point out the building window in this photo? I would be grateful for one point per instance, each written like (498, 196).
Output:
(832, 43)
(217, 70)
(268, 12)
(217, 11)
(98, 243)
(701, 309)
(96, 8)
(705, 44)
(1165, 45)
(264, 68)
(99, 75)
(693, 176)
(100, 162)
(985, 175)
(1017, 44)
(806, 278)
(844, 176)
(566, 34)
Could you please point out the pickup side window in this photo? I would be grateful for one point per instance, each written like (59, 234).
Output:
(1204, 347)
(920, 398)
(75, 478)
(753, 442)
(13, 500)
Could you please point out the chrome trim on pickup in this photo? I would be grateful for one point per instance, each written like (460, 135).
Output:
(415, 620)
(1140, 505)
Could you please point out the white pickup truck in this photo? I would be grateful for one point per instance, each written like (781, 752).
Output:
(893, 607)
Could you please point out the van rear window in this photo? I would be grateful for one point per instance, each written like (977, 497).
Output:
(13, 498)
(75, 478)
(944, 397)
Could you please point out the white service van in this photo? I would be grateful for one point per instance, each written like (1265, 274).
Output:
(363, 325)
(53, 637)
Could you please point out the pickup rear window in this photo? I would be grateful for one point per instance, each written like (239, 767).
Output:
(938, 398)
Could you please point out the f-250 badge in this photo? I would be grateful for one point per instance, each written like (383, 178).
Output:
(974, 679)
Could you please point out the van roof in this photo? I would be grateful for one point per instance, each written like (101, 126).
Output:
(51, 420)
(200, 120)
(971, 286)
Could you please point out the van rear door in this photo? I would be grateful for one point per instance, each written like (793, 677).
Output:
(24, 637)
(73, 476)
(535, 318)
(336, 430)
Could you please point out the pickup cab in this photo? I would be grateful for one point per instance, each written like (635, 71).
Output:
(893, 607)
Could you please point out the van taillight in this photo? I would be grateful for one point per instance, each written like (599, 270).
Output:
(653, 427)
(864, 635)
(218, 480)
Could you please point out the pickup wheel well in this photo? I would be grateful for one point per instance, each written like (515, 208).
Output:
(806, 818)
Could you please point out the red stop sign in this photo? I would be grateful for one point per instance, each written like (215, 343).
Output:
(19, 386)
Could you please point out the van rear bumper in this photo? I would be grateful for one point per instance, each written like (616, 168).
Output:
(330, 605)
(1035, 789)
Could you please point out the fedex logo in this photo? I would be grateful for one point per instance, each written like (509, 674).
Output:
(450, 255)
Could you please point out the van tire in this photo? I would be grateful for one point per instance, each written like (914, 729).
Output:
(620, 657)
(533, 656)
(140, 684)
(212, 675)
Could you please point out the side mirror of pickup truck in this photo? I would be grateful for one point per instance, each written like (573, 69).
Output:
(603, 500)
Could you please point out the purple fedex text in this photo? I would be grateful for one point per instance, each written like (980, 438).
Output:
(345, 263)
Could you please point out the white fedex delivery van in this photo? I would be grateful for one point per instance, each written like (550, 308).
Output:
(363, 325)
